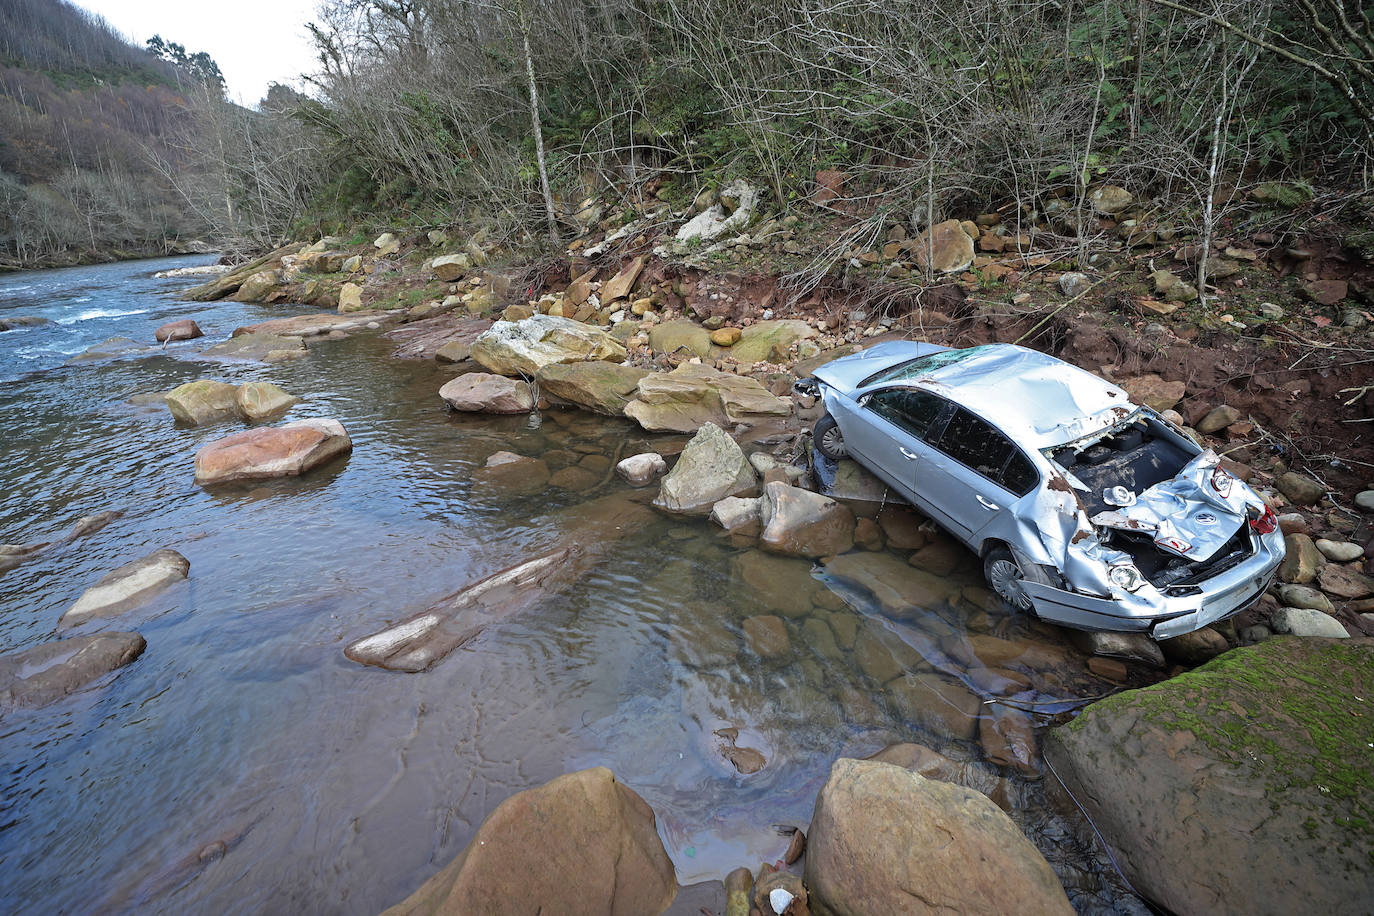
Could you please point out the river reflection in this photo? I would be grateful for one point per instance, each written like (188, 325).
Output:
(243, 763)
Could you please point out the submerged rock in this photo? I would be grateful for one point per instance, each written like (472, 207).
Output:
(901, 590)
(480, 392)
(524, 347)
(202, 402)
(23, 321)
(1259, 756)
(48, 672)
(258, 346)
(128, 586)
(693, 395)
(711, 467)
(417, 643)
(513, 473)
(110, 348)
(272, 451)
(590, 531)
(581, 845)
(885, 840)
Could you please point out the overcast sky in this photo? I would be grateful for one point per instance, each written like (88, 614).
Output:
(255, 42)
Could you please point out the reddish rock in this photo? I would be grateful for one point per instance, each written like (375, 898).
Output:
(272, 451)
(581, 845)
(1326, 292)
(185, 329)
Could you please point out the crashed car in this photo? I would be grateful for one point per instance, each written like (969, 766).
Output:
(1086, 509)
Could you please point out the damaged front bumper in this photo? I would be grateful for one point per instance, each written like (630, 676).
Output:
(1175, 611)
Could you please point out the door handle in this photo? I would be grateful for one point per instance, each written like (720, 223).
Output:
(991, 505)
(910, 456)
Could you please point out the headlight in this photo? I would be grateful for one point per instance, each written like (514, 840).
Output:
(1126, 577)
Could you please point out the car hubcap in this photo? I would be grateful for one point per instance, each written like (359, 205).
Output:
(1005, 578)
(832, 440)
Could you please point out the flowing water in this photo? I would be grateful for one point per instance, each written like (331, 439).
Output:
(244, 764)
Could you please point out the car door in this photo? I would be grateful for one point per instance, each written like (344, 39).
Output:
(887, 429)
(962, 481)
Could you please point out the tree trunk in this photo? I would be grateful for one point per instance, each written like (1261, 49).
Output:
(534, 120)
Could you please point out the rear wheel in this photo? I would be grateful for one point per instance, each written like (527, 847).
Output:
(829, 440)
(1005, 578)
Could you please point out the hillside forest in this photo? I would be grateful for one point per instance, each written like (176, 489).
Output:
(509, 114)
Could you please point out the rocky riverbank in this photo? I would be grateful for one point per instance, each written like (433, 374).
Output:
(698, 362)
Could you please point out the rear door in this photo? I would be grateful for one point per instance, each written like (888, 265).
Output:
(975, 473)
(887, 429)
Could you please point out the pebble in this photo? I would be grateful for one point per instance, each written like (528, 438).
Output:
(1365, 500)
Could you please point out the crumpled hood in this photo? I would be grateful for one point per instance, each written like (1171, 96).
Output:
(1185, 515)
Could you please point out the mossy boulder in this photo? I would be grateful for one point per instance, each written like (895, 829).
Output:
(1241, 786)
(598, 386)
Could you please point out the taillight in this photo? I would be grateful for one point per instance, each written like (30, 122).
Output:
(1221, 482)
(1266, 523)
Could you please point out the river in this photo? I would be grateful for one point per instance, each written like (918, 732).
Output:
(339, 788)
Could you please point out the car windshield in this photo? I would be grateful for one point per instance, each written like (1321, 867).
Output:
(913, 368)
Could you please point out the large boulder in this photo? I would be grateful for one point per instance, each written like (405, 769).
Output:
(1256, 757)
(526, 346)
(598, 386)
(272, 451)
(260, 286)
(259, 401)
(50, 671)
(202, 402)
(480, 392)
(711, 467)
(692, 395)
(886, 840)
(581, 845)
(350, 298)
(128, 586)
(946, 248)
(682, 334)
(770, 341)
(1155, 392)
(800, 523)
(185, 329)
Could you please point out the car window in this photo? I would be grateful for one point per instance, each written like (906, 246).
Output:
(909, 409)
(1019, 476)
(973, 441)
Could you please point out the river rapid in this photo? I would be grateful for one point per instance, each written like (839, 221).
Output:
(319, 785)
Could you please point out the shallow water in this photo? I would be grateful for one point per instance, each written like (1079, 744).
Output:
(338, 788)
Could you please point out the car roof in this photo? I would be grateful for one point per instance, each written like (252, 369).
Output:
(1037, 400)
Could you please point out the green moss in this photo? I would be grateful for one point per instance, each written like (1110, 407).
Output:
(1295, 715)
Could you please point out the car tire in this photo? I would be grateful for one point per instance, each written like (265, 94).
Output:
(828, 438)
(1004, 577)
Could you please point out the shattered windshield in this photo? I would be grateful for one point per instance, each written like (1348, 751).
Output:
(914, 368)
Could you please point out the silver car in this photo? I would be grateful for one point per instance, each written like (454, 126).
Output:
(1091, 511)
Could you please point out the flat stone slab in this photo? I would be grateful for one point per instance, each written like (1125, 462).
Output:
(314, 325)
(416, 643)
(127, 587)
(257, 347)
(272, 451)
(48, 672)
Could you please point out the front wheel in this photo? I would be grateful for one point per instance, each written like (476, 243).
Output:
(1005, 578)
(829, 440)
